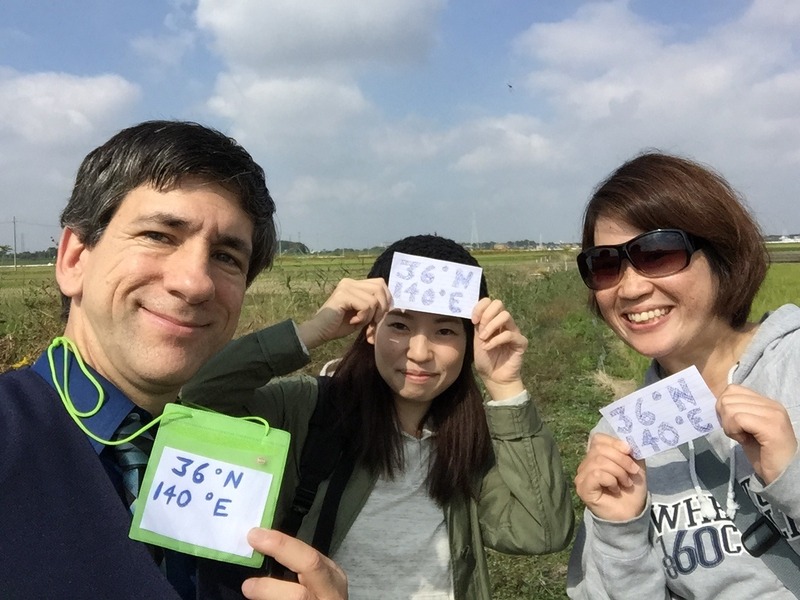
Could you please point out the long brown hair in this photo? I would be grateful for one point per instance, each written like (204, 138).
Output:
(462, 447)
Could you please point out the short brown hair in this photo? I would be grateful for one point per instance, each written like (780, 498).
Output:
(658, 191)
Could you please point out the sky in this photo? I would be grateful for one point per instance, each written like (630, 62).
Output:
(480, 120)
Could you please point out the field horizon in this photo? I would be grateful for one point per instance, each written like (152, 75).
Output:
(574, 364)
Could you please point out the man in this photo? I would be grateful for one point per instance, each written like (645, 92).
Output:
(167, 225)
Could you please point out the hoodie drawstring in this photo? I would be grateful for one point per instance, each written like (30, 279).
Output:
(706, 506)
(731, 506)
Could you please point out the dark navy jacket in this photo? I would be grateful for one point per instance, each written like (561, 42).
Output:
(63, 528)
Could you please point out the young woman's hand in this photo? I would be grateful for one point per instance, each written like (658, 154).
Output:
(762, 427)
(499, 346)
(318, 577)
(353, 304)
(611, 483)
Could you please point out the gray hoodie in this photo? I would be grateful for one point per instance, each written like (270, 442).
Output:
(671, 550)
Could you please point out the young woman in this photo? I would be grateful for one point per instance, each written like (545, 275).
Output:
(438, 473)
(674, 261)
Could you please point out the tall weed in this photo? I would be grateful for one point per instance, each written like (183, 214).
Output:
(567, 347)
(30, 318)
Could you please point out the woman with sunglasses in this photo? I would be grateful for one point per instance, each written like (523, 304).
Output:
(438, 473)
(674, 260)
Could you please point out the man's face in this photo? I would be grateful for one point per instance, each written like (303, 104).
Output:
(161, 291)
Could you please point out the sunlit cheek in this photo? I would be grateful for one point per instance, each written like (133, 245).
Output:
(455, 364)
(605, 302)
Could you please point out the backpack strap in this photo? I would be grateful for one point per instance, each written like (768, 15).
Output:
(760, 537)
(323, 533)
(319, 457)
(323, 456)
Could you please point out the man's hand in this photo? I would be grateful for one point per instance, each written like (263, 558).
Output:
(319, 578)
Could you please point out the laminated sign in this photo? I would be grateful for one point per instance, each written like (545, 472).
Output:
(209, 480)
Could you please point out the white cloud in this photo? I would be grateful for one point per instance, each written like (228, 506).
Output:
(767, 15)
(48, 122)
(613, 82)
(407, 142)
(166, 51)
(480, 146)
(331, 212)
(638, 72)
(57, 109)
(617, 84)
(287, 109)
(598, 35)
(499, 144)
(299, 87)
(306, 193)
(291, 69)
(286, 36)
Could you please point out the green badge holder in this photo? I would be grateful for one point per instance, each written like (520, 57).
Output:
(209, 480)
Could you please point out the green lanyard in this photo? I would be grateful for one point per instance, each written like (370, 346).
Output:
(63, 391)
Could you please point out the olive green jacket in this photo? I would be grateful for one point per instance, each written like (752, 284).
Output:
(524, 503)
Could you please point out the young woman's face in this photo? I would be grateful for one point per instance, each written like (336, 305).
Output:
(419, 355)
(667, 318)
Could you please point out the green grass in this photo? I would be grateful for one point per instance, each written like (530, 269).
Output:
(568, 347)
(782, 285)
(783, 247)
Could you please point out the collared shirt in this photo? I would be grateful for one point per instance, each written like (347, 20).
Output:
(84, 395)
(103, 424)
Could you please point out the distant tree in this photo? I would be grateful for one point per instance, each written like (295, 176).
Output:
(4, 249)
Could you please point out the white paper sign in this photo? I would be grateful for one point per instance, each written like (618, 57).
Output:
(665, 414)
(205, 502)
(434, 286)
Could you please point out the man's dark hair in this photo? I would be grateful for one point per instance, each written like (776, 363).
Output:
(162, 154)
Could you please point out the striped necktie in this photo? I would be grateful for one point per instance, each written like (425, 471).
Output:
(132, 459)
(132, 456)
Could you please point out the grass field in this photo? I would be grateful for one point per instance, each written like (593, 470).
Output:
(574, 364)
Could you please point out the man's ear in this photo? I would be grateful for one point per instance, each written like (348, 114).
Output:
(69, 266)
(370, 333)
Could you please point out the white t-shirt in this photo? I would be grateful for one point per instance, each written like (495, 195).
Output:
(398, 548)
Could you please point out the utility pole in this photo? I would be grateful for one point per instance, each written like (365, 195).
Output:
(14, 221)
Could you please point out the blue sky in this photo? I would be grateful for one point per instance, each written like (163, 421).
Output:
(375, 120)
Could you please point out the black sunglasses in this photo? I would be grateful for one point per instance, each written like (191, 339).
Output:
(656, 253)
